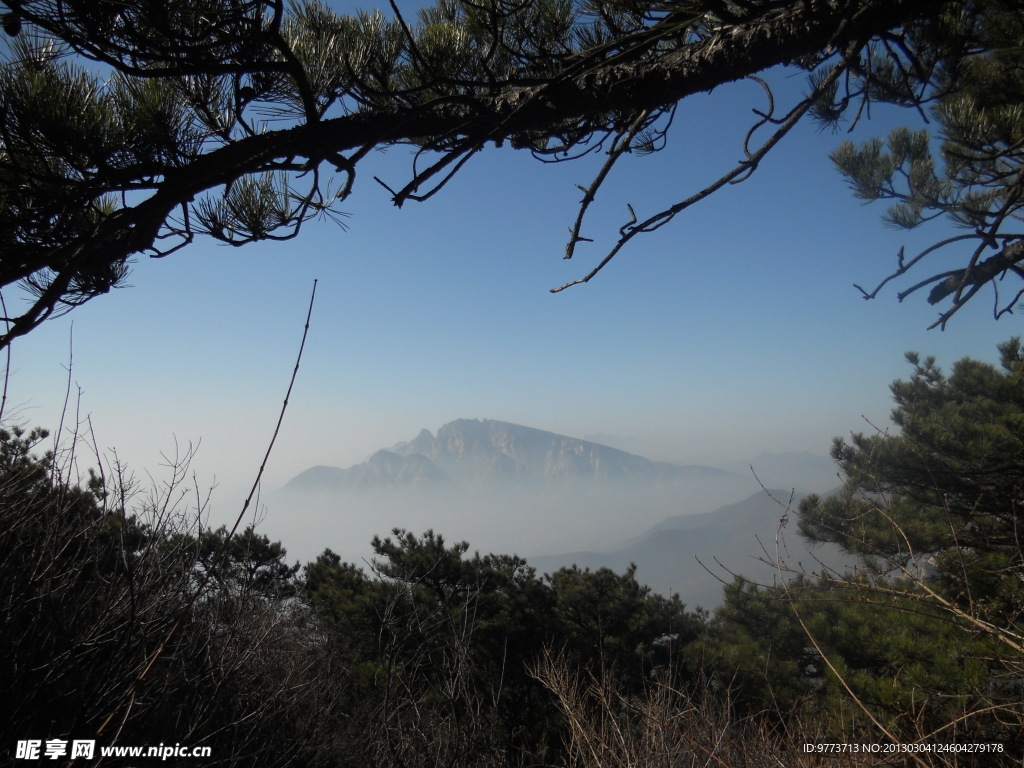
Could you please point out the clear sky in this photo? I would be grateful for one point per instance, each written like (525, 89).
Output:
(733, 331)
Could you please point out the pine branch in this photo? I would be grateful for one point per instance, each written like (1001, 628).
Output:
(976, 276)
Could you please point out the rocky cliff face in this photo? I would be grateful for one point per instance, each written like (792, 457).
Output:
(482, 452)
(487, 449)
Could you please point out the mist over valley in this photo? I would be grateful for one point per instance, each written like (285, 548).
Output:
(555, 499)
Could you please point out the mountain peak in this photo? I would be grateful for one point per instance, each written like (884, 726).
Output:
(485, 451)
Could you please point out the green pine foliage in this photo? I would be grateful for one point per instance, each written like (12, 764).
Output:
(966, 170)
(453, 642)
(924, 640)
(755, 653)
(944, 493)
(934, 513)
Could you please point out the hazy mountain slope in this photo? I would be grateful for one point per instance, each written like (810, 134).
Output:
(513, 489)
(676, 555)
(381, 470)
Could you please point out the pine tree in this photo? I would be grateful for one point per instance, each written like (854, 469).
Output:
(944, 495)
(934, 512)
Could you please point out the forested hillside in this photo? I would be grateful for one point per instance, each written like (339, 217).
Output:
(124, 618)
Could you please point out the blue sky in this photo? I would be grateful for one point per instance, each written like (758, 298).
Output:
(732, 331)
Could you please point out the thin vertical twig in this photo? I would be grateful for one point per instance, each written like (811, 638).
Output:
(7, 367)
(132, 689)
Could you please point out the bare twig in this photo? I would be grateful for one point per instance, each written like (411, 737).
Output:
(130, 692)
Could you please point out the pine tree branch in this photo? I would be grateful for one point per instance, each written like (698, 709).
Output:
(982, 272)
(581, 98)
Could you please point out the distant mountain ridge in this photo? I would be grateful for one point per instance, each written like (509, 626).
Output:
(481, 452)
(693, 556)
(508, 488)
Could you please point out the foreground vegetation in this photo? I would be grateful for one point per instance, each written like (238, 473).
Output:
(128, 622)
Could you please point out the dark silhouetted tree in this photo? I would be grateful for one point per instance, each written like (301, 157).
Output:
(132, 128)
